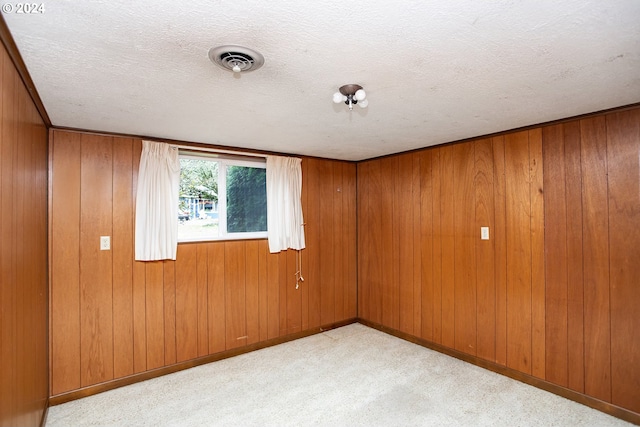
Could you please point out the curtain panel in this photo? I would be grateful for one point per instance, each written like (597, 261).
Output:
(157, 202)
(285, 227)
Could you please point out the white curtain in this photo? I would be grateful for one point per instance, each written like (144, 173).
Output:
(157, 202)
(284, 207)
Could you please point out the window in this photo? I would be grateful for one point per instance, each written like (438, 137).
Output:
(221, 197)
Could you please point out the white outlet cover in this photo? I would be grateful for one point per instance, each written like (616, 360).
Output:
(105, 243)
(484, 233)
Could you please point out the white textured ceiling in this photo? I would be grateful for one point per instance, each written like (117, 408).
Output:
(434, 71)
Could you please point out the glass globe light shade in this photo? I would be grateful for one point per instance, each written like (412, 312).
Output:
(363, 103)
(360, 94)
(337, 97)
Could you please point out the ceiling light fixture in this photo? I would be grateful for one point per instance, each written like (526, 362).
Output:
(351, 95)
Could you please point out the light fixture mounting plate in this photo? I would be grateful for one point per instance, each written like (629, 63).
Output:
(351, 89)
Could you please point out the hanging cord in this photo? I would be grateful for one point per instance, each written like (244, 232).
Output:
(298, 274)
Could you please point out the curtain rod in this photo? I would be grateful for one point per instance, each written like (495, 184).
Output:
(216, 150)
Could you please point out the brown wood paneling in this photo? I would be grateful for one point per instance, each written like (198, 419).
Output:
(543, 280)
(96, 315)
(326, 243)
(186, 303)
(465, 236)
(234, 275)
(500, 244)
(169, 275)
(485, 250)
(171, 312)
(518, 214)
(436, 233)
(273, 295)
(595, 226)
(555, 206)
(293, 295)
(382, 209)
(263, 250)
(364, 223)
(575, 298)
(201, 280)
(403, 218)
(154, 313)
(427, 291)
(378, 238)
(391, 295)
(538, 318)
(23, 254)
(65, 270)
(304, 289)
(350, 256)
(139, 317)
(252, 291)
(623, 154)
(20, 351)
(122, 256)
(339, 240)
(282, 289)
(447, 241)
(216, 298)
(416, 199)
(312, 238)
(8, 339)
(139, 287)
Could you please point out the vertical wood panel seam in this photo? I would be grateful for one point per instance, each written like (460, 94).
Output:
(503, 154)
(175, 310)
(582, 339)
(606, 154)
(133, 264)
(530, 182)
(113, 329)
(566, 245)
(439, 207)
(79, 269)
(475, 252)
(495, 293)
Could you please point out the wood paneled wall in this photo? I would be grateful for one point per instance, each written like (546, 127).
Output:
(554, 292)
(23, 253)
(113, 317)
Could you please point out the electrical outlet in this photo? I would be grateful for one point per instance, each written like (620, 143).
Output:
(105, 243)
(484, 233)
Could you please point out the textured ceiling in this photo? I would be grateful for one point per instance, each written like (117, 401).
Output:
(434, 71)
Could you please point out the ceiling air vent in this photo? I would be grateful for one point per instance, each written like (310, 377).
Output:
(236, 58)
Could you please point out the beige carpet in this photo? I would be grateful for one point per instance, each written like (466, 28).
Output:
(351, 376)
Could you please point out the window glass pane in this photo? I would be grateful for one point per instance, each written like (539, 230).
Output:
(246, 199)
(198, 208)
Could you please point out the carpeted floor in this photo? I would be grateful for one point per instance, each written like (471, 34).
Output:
(350, 376)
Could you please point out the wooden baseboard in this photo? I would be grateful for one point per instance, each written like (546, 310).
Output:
(143, 376)
(43, 420)
(592, 402)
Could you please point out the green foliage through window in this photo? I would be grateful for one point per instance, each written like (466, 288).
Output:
(199, 179)
(219, 196)
(246, 199)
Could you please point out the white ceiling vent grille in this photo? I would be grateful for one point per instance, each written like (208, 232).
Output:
(236, 58)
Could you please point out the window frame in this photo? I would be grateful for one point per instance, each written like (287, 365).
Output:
(224, 161)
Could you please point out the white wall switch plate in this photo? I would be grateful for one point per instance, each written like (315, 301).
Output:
(105, 243)
(484, 233)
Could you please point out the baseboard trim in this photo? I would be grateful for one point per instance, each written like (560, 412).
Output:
(592, 402)
(43, 420)
(154, 373)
